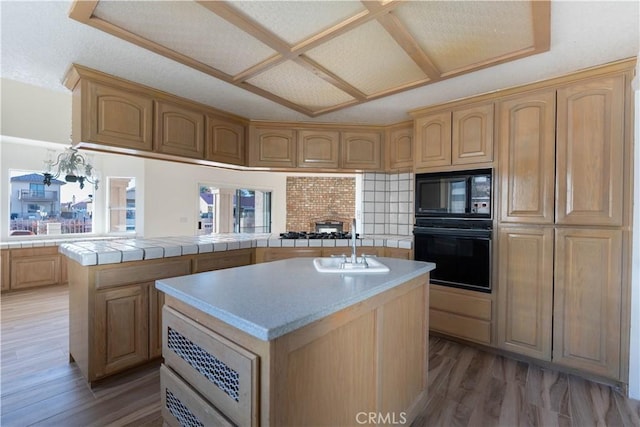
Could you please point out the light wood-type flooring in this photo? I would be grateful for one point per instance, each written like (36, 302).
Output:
(467, 386)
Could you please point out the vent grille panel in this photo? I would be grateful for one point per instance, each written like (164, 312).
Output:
(225, 378)
(184, 416)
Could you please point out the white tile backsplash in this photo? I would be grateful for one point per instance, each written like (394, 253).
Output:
(387, 203)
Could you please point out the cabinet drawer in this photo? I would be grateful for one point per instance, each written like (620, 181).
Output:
(182, 406)
(458, 303)
(217, 368)
(460, 326)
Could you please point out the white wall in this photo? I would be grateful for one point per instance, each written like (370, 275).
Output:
(34, 113)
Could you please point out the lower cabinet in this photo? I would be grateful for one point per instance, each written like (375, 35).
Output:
(5, 275)
(275, 254)
(26, 268)
(122, 320)
(460, 313)
(560, 296)
(588, 300)
(525, 298)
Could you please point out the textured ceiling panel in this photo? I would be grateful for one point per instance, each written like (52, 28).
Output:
(299, 85)
(369, 59)
(294, 21)
(188, 28)
(458, 34)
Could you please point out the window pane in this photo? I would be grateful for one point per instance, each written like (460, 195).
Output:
(241, 210)
(122, 204)
(61, 208)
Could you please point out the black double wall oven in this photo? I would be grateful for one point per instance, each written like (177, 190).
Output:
(453, 227)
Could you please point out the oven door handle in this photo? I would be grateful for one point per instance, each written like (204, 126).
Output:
(455, 232)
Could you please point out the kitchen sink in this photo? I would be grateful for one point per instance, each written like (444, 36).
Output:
(345, 266)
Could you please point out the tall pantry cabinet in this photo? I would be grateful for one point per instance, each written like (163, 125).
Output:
(562, 223)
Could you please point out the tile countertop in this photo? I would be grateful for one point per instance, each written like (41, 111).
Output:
(113, 251)
(271, 299)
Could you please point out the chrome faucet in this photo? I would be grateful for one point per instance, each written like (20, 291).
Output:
(354, 257)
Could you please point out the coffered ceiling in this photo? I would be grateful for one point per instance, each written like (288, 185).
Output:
(321, 56)
(313, 60)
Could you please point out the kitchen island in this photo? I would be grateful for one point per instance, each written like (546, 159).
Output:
(281, 344)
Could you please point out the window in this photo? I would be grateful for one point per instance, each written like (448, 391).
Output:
(224, 210)
(61, 208)
(122, 204)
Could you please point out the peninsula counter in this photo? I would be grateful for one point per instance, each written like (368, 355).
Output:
(281, 344)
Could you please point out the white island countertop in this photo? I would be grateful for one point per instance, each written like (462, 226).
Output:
(271, 299)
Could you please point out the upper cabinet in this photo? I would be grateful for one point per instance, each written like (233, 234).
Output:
(272, 147)
(112, 116)
(318, 149)
(362, 150)
(433, 140)
(564, 156)
(179, 130)
(463, 136)
(472, 135)
(527, 157)
(589, 153)
(399, 147)
(225, 141)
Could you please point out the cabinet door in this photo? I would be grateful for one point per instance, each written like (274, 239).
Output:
(116, 117)
(272, 148)
(472, 135)
(587, 300)
(178, 130)
(525, 294)
(4, 273)
(527, 158)
(121, 337)
(32, 271)
(318, 149)
(400, 148)
(590, 151)
(225, 141)
(362, 150)
(156, 301)
(433, 140)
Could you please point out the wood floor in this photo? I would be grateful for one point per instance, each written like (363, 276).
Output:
(467, 387)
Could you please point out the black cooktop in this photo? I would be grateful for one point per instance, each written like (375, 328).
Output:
(316, 235)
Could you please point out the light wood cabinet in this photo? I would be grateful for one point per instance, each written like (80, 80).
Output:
(121, 314)
(5, 276)
(588, 300)
(472, 135)
(156, 302)
(527, 158)
(463, 136)
(272, 147)
(275, 254)
(433, 140)
(33, 267)
(461, 313)
(399, 147)
(179, 130)
(590, 149)
(219, 260)
(112, 116)
(525, 300)
(320, 374)
(361, 150)
(318, 149)
(225, 141)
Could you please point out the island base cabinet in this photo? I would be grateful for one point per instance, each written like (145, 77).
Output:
(371, 357)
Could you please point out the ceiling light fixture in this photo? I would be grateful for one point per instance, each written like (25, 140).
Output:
(72, 165)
